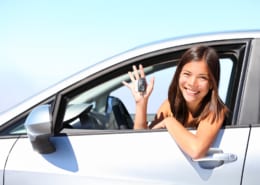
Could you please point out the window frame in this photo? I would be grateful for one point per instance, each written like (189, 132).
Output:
(232, 48)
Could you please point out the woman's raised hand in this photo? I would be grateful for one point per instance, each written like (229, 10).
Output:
(136, 75)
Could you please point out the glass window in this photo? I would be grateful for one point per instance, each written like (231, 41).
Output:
(226, 66)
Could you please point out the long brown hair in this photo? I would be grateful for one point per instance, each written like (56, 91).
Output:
(211, 103)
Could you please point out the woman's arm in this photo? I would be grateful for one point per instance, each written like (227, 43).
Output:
(195, 145)
(141, 99)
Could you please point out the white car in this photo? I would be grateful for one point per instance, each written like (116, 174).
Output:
(80, 130)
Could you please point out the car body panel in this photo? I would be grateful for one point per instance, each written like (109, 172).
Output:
(123, 158)
(249, 105)
(6, 146)
(252, 164)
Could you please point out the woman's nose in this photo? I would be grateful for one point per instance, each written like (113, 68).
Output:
(192, 81)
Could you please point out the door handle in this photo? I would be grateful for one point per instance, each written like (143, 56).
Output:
(214, 158)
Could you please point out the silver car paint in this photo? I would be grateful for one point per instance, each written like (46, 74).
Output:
(126, 158)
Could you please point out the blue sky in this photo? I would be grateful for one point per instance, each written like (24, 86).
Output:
(44, 41)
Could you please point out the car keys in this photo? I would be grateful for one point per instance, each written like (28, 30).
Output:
(141, 86)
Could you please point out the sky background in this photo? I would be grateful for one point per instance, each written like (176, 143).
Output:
(44, 41)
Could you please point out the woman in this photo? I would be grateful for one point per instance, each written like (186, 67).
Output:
(193, 101)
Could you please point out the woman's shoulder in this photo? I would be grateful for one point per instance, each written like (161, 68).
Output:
(165, 103)
(163, 112)
(165, 108)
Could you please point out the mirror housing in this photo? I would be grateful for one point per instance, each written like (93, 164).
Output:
(38, 126)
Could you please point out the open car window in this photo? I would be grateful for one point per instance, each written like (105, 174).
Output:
(162, 81)
(92, 109)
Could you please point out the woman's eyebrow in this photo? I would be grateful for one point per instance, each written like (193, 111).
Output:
(185, 70)
(204, 74)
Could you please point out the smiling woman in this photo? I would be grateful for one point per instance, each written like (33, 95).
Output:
(193, 101)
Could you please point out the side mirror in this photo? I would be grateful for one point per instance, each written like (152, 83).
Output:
(38, 126)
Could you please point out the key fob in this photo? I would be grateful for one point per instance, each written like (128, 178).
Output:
(141, 86)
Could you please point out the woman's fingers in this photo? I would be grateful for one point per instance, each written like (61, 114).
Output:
(126, 84)
(136, 73)
(141, 69)
(134, 76)
(150, 86)
(130, 74)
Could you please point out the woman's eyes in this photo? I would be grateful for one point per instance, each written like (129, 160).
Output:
(186, 74)
(202, 77)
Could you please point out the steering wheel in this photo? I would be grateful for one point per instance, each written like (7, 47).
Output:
(75, 111)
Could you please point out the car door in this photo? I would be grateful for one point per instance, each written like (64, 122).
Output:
(252, 165)
(112, 156)
(6, 144)
(126, 158)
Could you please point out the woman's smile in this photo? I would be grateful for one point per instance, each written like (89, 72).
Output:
(191, 92)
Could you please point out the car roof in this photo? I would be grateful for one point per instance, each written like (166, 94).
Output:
(147, 48)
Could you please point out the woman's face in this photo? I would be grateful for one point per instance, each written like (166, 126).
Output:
(194, 83)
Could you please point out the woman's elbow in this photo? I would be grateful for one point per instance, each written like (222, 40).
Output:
(197, 152)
